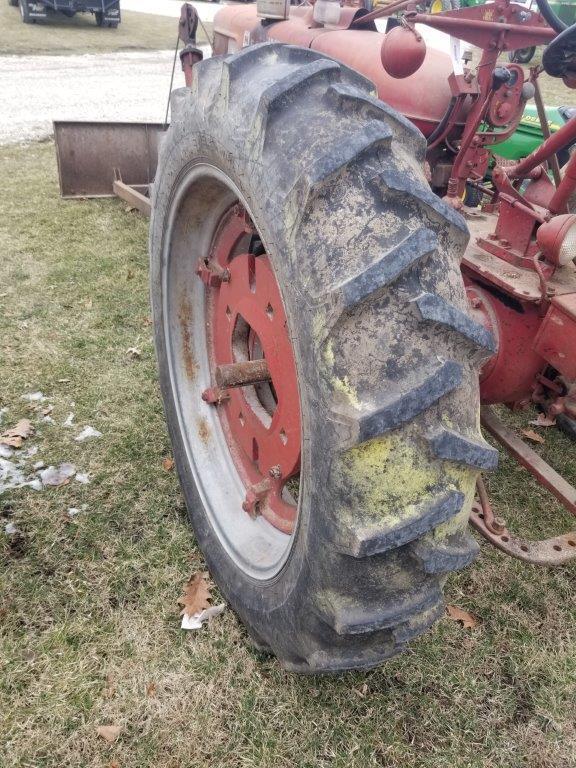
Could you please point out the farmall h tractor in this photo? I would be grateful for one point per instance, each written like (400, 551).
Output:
(329, 315)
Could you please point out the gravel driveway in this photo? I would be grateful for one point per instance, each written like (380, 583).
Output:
(34, 90)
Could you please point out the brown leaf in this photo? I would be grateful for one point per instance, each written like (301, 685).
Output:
(151, 690)
(543, 421)
(196, 595)
(130, 274)
(361, 692)
(15, 436)
(114, 764)
(47, 411)
(168, 463)
(534, 436)
(110, 689)
(109, 732)
(134, 353)
(467, 619)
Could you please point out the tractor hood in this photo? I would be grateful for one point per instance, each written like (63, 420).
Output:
(422, 97)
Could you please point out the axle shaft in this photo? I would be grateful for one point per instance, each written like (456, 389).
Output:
(242, 374)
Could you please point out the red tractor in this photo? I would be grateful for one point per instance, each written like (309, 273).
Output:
(329, 315)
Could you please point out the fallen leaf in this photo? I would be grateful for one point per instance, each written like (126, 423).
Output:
(110, 689)
(151, 689)
(134, 353)
(361, 692)
(114, 764)
(15, 436)
(196, 595)
(534, 436)
(168, 463)
(47, 411)
(543, 421)
(88, 304)
(109, 732)
(129, 274)
(467, 619)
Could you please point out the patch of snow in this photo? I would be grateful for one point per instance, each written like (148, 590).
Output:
(57, 476)
(34, 397)
(87, 433)
(10, 529)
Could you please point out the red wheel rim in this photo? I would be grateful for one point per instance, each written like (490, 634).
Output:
(246, 321)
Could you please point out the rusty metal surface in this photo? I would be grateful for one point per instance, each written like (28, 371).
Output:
(241, 374)
(137, 197)
(523, 284)
(535, 464)
(554, 551)
(91, 155)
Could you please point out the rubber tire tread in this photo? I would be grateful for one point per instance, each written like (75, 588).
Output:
(325, 223)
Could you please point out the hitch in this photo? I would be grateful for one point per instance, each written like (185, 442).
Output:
(554, 551)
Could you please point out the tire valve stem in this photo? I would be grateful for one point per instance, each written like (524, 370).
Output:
(254, 495)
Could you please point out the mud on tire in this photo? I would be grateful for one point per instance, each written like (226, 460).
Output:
(367, 260)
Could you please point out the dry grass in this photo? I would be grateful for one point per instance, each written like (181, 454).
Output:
(60, 35)
(87, 606)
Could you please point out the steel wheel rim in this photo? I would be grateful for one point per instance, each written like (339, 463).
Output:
(203, 196)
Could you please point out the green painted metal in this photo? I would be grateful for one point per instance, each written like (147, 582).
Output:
(528, 136)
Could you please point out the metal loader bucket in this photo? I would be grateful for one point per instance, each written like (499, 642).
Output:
(97, 159)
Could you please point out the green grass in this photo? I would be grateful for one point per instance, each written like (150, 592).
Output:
(60, 35)
(88, 613)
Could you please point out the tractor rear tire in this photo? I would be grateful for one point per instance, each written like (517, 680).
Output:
(367, 261)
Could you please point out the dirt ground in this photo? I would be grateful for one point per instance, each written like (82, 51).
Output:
(111, 86)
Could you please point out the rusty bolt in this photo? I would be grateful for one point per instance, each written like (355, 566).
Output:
(475, 302)
(215, 396)
(498, 525)
(250, 503)
(275, 472)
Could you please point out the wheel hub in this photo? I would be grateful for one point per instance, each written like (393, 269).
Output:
(253, 370)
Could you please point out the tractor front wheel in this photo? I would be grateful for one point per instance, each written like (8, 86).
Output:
(318, 366)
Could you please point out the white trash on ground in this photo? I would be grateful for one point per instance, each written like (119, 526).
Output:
(196, 621)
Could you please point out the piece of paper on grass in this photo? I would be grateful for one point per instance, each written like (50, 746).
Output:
(196, 621)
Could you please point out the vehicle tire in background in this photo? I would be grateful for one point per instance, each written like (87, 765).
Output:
(295, 148)
(13, 2)
(522, 55)
(100, 16)
(25, 12)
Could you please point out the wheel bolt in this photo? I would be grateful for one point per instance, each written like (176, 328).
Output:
(275, 472)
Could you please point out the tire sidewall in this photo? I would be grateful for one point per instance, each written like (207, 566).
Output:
(253, 598)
